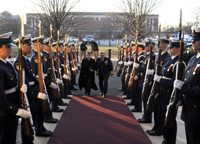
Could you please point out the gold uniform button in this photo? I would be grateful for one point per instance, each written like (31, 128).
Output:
(188, 71)
(11, 78)
(10, 107)
(32, 92)
(195, 106)
(185, 79)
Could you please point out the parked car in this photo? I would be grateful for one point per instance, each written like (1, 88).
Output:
(88, 39)
(74, 39)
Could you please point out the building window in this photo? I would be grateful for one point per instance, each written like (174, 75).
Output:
(94, 19)
(99, 18)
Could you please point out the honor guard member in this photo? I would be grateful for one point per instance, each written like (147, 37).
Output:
(137, 91)
(104, 70)
(123, 80)
(60, 59)
(40, 130)
(9, 96)
(130, 92)
(163, 44)
(141, 72)
(61, 53)
(83, 50)
(30, 80)
(48, 115)
(73, 77)
(95, 49)
(122, 50)
(166, 80)
(190, 88)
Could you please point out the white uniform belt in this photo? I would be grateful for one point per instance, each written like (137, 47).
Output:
(45, 75)
(166, 78)
(31, 83)
(12, 90)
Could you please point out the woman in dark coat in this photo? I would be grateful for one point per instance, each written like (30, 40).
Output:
(87, 79)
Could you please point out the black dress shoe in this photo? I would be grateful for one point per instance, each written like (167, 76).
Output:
(104, 95)
(135, 110)
(52, 120)
(44, 134)
(139, 119)
(88, 95)
(155, 133)
(66, 97)
(126, 97)
(148, 131)
(76, 83)
(145, 121)
(63, 104)
(74, 88)
(58, 110)
(101, 93)
(120, 89)
(122, 94)
(129, 103)
(49, 131)
(71, 93)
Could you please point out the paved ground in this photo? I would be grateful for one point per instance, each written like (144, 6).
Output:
(115, 83)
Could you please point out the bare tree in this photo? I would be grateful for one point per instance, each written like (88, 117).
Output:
(136, 14)
(59, 13)
(108, 28)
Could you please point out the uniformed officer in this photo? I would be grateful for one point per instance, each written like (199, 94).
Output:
(163, 44)
(190, 88)
(30, 80)
(95, 48)
(39, 127)
(50, 90)
(137, 91)
(73, 82)
(63, 94)
(141, 72)
(104, 70)
(9, 94)
(166, 79)
(121, 63)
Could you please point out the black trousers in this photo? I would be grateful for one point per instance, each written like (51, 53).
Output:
(192, 133)
(138, 96)
(103, 83)
(48, 115)
(169, 134)
(157, 113)
(8, 131)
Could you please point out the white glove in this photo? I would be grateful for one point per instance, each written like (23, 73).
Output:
(169, 105)
(23, 113)
(157, 78)
(121, 62)
(126, 63)
(117, 59)
(23, 88)
(150, 71)
(65, 76)
(178, 84)
(53, 85)
(136, 78)
(42, 96)
(68, 72)
(130, 62)
(73, 69)
(78, 65)
(135, 65)
(37, 77)
(59, 81)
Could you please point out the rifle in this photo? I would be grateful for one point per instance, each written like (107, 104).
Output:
(77, 47)
(56, 91)
(66, 69)
(45, 103)
(75, 57)
(118, 51)
(133, 73)
(120, 65)
(72, 60)
(24, 101)
(126, 60)
(129, 66)
(154, 89)
(147, 78)
(174, 102)
(58, 75)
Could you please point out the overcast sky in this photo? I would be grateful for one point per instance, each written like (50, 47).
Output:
(168, 11)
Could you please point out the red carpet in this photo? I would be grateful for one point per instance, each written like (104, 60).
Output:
(95, 120)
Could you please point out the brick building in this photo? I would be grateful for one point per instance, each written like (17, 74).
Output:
(100, 24)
